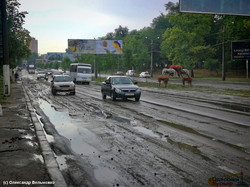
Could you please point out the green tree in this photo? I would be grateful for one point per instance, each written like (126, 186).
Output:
(212, 65)
(65, 64)
(226, 29)
(19, 38)
(135, 54)
(120, 32)
(185, 43)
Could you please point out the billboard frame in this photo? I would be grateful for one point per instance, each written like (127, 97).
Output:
(209, 12)
(243, 56)
(242, 41)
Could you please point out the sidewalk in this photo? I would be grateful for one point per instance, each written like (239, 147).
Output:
(23, 160)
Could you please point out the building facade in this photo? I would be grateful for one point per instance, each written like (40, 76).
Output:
(34, 46)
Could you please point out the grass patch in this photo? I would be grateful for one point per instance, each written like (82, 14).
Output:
(243, 93)
(99, 79)
(200, 88)
(220, 79)
(169, 86)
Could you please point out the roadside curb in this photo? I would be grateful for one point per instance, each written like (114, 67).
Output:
(48, 155)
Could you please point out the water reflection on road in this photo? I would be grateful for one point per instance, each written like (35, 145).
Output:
(72, 129)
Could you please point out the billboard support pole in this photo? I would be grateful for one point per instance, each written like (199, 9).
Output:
(247, 67)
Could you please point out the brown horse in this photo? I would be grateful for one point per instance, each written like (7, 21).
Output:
(188, 80)
(163, 78)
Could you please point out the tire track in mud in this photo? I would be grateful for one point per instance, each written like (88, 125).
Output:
(175, 143)
(230, 126)
(230, 147)
(170, 156)
(138, 154)
(244, 116)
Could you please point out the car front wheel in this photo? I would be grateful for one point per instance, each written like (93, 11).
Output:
(103, 95)
(53, 92)
(113, 97)
(137, 98)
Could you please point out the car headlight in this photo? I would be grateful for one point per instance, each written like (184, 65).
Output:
(117, 90)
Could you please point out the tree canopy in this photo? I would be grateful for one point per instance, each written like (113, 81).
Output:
(19, 38)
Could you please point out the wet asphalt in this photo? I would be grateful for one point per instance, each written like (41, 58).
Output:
(170, 138)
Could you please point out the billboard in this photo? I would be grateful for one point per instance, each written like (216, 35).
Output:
(241, 50)
(82, 46)
(108, 46)
(231, 7)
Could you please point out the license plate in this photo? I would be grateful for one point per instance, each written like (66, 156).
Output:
(129, 94)
(64, 88)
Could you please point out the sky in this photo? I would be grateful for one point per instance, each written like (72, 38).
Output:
(53, 22)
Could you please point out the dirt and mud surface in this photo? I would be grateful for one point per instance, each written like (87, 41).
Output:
(169, 138)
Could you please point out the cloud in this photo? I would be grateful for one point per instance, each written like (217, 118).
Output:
(56, 20)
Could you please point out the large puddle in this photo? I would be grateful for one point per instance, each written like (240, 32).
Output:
(72, 129)
(83, 142)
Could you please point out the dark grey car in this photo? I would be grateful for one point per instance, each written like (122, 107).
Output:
(120, 87)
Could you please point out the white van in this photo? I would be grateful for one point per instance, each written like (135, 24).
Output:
(130, 73)
(80, 73)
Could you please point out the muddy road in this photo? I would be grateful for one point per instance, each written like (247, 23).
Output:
(169, 138)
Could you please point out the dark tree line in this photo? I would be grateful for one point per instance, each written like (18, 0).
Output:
(190, 40)
(18, 37)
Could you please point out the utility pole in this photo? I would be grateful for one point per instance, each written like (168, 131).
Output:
(151, 54)
(223, 54)
(151, 63)
(247, 68)
(5, 49)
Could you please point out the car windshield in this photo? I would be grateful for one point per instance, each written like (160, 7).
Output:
(121, 80)
(41, 72)
(62, 79)
(83, 70)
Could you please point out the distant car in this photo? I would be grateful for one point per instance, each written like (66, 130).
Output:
(130, 73)
(119, 73)
(62, 83)
(49, 72)
(120, 87)
(56, 73)
(144, 75)
(42, 75)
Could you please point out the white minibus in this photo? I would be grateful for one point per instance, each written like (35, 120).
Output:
(81, 73)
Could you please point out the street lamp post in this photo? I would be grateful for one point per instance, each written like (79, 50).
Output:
(151, 55)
